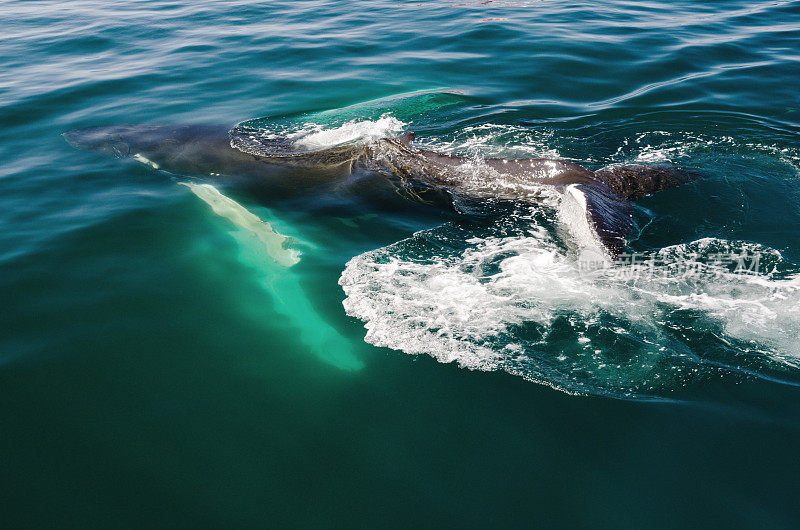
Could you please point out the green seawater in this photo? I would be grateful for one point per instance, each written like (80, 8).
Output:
(353, 358)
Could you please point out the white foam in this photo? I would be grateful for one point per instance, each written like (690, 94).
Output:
(315, 137)
(672, 147)
(473, 308)
(496, 140)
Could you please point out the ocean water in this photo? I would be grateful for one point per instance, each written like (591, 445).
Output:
(177, 350)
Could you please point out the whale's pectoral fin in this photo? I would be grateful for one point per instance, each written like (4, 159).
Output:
(291, 299)
(637, 180)
(273, 241)
(608, 215)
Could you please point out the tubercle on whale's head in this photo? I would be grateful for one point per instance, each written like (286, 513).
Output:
(402, 142)
(406, 138)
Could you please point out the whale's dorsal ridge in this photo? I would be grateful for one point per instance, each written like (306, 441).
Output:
(634, 181)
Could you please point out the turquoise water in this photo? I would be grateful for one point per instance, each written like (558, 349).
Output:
(399, 363)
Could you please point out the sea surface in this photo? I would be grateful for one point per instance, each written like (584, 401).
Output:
(179, 352)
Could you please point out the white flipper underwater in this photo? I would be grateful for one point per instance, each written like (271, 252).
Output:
(290, 298)
(274, 242)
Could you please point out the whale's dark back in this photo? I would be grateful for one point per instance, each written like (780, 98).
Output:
(637, 180)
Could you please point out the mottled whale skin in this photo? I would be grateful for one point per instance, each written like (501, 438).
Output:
(207, 150)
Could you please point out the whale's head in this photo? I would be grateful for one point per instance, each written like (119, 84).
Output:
(121, 141)
(180, 148)
(114, 141)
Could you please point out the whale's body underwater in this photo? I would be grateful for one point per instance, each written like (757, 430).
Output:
(271, 162)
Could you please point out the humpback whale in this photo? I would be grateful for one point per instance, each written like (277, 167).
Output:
(241, 154)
